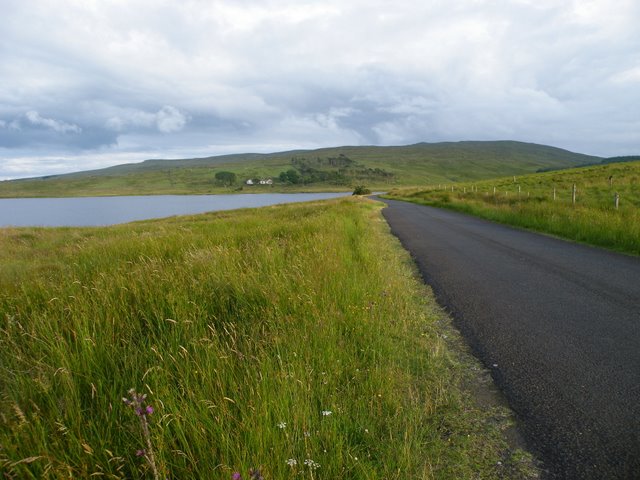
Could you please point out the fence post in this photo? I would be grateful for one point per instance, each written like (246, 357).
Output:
(616, 198)
(573, 194)
(494, 191)
(518, 190)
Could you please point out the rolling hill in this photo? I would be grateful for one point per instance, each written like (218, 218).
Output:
(325, 169)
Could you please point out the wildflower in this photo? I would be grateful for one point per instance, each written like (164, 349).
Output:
(326, 413)
(292, 462)
(137, 402)
(236, 476)
(311, 464)
(282, 425)
(307, 434)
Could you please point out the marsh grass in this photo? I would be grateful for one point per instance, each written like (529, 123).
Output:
(593, 219)
(244, 329)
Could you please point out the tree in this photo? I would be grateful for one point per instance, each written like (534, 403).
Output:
(290, 176)
(361, 190)
(226, 178)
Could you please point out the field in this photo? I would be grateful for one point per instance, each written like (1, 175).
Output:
(295, 340)
(528, 201)
(328, 169)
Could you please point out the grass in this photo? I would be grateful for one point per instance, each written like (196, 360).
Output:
(418, 164)
(528, 202)
(242, 328)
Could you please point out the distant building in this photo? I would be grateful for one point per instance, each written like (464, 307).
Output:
(266, 181)
(249, 182)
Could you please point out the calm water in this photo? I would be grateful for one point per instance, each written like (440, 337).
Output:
(97, 211)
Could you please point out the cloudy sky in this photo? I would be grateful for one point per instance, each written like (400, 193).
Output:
(86, 84)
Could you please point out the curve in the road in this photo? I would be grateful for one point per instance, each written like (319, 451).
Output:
(557, 323)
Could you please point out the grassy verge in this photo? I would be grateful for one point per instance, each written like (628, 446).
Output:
(529, 202)
(142, 185)
(292, 339)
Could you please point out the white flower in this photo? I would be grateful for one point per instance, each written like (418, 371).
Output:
(292, 462)
(282, 425)
(311, 464)
(326, 413)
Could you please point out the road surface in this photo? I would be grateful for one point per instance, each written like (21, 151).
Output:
(558, 325)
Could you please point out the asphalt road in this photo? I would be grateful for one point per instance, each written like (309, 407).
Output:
(558, 325)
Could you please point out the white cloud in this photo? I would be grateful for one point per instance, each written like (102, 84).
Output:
(61, 127)
(167, 120)
(170, 119)
(628, 76)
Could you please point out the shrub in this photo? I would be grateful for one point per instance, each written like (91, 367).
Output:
(361, 190)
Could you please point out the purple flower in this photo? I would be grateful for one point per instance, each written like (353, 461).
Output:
(148, 410)
(140, 453)
(236, 476)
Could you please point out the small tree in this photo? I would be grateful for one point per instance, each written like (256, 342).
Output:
(290, 176)
(361, 190)
(226, 178)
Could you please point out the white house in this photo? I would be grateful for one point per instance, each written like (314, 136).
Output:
(249, 182)
(267, 181)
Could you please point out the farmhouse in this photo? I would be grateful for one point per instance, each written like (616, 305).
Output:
(262, 181)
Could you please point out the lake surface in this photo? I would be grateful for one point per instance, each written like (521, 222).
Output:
(99, 211)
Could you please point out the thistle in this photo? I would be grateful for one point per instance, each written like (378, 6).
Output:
(138, 403)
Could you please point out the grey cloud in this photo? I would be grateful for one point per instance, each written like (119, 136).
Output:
(205, 76)
(37, 132)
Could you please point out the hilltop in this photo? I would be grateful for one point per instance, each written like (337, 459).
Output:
(337, 168)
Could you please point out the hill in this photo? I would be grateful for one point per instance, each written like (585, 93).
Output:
(337, 168)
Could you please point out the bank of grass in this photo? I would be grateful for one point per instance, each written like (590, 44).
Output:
(528, 201)
(296, 332)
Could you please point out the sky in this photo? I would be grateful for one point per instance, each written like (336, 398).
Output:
(88, 84)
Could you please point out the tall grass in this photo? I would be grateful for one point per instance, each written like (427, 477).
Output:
(528, 202)
(293, 339)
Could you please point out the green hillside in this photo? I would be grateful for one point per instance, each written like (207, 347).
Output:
(545, 202)
(324, 169)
